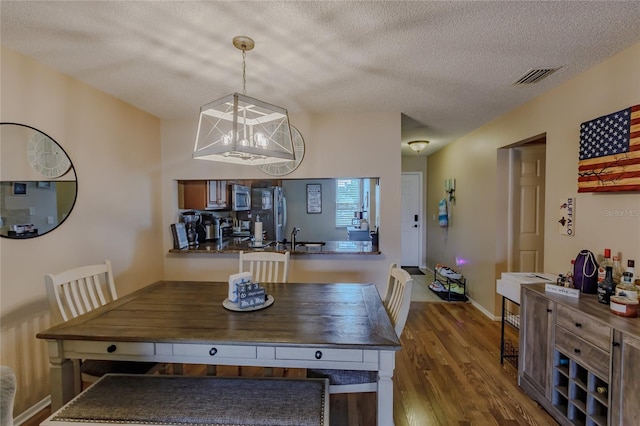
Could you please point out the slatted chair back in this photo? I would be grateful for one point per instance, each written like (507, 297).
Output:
(80, 290)
(398, 297)
(266, 267)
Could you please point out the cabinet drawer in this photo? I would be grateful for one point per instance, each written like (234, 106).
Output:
(220, 351)
(350, 355)
(584, 353)
(120, 348)
(584, 326)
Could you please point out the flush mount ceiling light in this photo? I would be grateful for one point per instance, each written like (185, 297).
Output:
(418, 146)
(243, 130)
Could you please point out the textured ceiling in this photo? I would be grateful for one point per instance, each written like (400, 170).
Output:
(448, 66)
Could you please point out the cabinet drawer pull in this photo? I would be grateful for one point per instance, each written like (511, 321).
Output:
(549, 310)
(213, 351)
(111, 348)
(578, 325)
(615, 344)
(576, 350)
(318, 354)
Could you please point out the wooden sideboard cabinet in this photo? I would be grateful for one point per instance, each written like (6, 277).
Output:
(578, 360)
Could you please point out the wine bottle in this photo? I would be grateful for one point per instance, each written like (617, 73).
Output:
(607, 287)
(602, 268)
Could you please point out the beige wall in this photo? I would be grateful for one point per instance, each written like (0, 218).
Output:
(115, 149)
(478, 227)
(336, 145)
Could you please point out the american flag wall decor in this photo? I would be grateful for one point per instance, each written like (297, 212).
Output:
(610, 152)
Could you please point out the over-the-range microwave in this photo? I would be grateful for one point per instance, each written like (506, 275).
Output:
(240, 197)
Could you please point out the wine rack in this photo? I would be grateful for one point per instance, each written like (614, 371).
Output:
(578, 393)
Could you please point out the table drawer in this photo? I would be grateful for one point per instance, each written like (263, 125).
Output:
(584, 353)
(220, 351)
(349, 355)
(584, 326)
(116, 348)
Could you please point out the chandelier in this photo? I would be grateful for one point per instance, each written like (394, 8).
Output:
(243, 130)
(418, 146)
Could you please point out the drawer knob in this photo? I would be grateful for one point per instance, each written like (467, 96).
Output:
(615, 344)
(111, 348)
(549, 310)
(578, 325)
(576, 350)
(318, 354)
(213, 351)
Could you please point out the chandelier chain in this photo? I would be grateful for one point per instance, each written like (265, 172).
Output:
(244, 68)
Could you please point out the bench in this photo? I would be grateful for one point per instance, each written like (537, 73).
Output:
(123, 399)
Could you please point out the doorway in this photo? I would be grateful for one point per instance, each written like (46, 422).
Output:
(412, 221)
(524, 167)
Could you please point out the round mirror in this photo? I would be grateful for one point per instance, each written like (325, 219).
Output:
(38, 185)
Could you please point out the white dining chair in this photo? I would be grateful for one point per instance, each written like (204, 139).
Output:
(80, 290)
(397, 301)
(266, 267)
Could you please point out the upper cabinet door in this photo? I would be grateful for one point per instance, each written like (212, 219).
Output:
(194, 194)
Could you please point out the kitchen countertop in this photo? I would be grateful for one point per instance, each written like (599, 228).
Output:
(236, 245)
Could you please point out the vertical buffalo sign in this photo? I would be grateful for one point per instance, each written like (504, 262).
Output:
(567, 216)
(610, 152)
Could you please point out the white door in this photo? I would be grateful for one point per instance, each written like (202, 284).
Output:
(528, 170)
(412, 221)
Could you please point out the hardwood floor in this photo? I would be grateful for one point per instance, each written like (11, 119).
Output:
(448, 373)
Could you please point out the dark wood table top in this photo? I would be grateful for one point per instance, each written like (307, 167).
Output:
(336, 315)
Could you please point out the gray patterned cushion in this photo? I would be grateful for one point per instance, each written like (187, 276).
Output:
(7, 395)
(198, 400)
(344, 377)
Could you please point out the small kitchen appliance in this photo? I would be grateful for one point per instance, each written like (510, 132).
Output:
(240, 197)
(195, 230)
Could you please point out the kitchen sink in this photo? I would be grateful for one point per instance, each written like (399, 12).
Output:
(303, 244)
(310, 243)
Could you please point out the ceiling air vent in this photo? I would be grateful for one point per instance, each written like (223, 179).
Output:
(535, 75)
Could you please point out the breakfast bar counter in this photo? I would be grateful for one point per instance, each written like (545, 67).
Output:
(236, 245)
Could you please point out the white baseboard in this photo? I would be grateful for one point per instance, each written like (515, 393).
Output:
(484, 311)
(32, 411)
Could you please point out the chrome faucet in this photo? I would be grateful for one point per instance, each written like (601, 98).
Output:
(294, 234)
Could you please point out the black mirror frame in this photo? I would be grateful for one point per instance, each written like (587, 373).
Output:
(71, 168)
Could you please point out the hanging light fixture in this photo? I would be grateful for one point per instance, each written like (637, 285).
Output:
(418, 146)
(243, 130)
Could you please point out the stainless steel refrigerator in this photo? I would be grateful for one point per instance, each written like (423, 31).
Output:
(270, 205)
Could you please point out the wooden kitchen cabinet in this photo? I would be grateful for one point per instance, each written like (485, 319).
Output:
(536, 331)
(578, 360)
(204, 195)
(218, 194)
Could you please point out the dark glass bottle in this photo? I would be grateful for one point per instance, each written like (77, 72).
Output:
(606, 287)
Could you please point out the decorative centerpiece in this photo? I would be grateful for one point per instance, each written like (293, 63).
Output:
(250, 295)
(246, 295)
